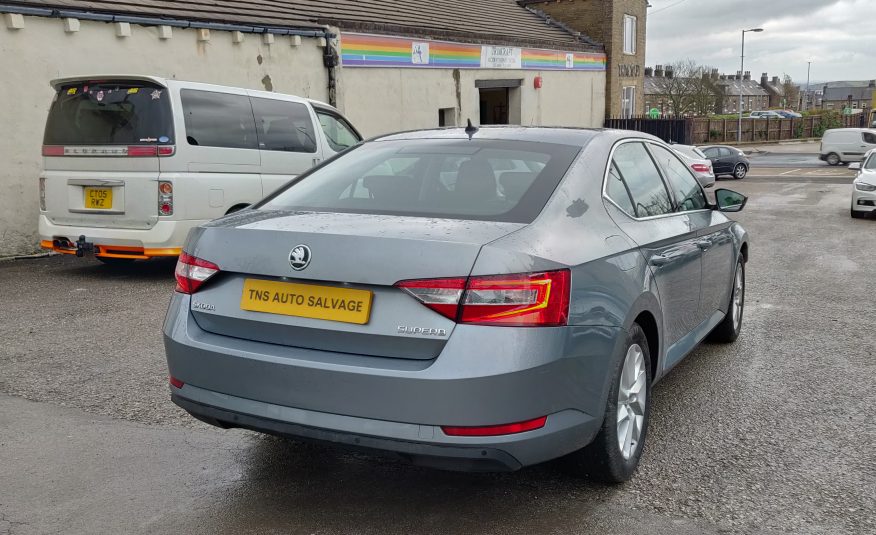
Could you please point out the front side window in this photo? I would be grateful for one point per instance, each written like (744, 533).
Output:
(218, 120)
(643, 180)
(338, 132)
(688, 194)
(446, 178)
(629, 34)
(284, 126)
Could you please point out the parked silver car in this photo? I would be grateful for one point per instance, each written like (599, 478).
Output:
(422, 295)
(698, 162)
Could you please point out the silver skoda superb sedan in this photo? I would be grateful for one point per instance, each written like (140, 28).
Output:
(465, 299)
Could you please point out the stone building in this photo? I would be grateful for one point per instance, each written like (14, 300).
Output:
(387, 68)
(775, 88)
(620, 26)
(754, 97)
(854, 94)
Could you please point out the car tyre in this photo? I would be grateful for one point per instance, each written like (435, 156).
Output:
(740, 171)
(728, 330)
(117, 262)
(833, 159)
(614, 454)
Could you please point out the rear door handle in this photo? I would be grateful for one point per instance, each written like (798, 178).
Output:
(704, 245)
(659, 260)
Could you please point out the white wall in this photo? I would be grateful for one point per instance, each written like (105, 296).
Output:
(41, 51)
(381, 100)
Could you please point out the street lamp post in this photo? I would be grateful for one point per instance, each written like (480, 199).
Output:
(808, 71)
(742, 79)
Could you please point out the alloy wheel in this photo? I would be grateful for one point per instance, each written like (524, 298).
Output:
(631, 401)
(738, 297)
(740, 172)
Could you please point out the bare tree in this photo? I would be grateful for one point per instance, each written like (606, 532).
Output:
(791, 92)
(703, 95)
(678, 88)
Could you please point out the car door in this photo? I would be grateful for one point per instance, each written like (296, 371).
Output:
(713, 237)
(714, 155)
(288, 141)
(648, 216)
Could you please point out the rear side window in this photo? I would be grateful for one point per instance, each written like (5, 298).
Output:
(645, 185)
(109, 113)
(617, 191)
(218, 120)
(869, 138)
(688, 194)
(487, 180)
(284, 126)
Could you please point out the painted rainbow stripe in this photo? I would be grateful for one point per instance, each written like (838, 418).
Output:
(362, 50)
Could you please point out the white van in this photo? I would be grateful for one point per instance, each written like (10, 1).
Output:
(847, 144)
(131, 163)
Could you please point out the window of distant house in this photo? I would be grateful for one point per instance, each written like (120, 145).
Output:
(628, 102)
(629, 34)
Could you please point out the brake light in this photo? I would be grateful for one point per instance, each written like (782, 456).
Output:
(113, 150)
(521, 300)
(165, 198)
(495, 430)
(53, 150)
(192, 272)
(176, 383)
(700, 167)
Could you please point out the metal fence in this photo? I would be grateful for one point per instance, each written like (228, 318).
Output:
(699, 131)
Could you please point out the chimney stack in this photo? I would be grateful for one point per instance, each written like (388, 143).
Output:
(714, 74)
(747, 75)
(658, 71)
(649, 71)
(669, 72)
(764, 79)
(738, 75)
(776, 80)
(872, 84)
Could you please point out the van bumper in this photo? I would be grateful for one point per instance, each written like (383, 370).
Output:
(166, 238)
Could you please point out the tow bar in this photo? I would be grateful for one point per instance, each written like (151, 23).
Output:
(83, 247)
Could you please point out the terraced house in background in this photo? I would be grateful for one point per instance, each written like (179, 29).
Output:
(388, 66)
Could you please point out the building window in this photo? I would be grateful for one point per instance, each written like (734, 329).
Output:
(628, 102)
(629, 34)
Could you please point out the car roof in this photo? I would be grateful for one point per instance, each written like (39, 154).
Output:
(535, 134)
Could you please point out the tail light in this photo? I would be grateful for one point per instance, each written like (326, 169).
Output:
(43, 193)
(520, 300)
(165, 198)
(192, 273)
(700, 167)
(53, 150)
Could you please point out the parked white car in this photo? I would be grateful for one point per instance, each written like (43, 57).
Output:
(768, 114)
(864, 191)
(698, 163)
(132, 163)
(847, 144)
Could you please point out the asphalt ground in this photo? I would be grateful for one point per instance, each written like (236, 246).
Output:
(773, 434)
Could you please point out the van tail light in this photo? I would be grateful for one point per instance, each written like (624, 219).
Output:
(53, 150)
(700, 167)
(519, 300)
(192, 273)
(165, 198)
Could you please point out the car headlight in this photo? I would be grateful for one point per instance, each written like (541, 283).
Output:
(861, 186)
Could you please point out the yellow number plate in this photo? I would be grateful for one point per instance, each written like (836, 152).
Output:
(99, 198)
(307, 301)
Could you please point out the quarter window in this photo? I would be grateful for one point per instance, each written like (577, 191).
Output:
(688, 194)
(218, 120)
(338, 132)
(617, 190)
(284, 126)
(869, 138)
(629, 34)
(646, 188)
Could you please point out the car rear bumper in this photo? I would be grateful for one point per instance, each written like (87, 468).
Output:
(422, 445)
(165, 238)
(511, 375)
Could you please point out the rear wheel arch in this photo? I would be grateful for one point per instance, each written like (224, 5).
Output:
(648, 323)
(744, 252)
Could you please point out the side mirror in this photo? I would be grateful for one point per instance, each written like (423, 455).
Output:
(730, 201)
(855, 166)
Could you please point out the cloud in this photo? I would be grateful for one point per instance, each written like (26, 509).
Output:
(828, 32)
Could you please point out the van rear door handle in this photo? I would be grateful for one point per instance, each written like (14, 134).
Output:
(704, 245)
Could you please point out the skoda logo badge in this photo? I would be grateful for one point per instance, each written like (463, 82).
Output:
(299, 258)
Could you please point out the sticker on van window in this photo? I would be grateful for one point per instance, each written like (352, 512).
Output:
(99, 96)
(133, 90)
(148, 140)
(156, 95)
(71, 91)
(163, 139)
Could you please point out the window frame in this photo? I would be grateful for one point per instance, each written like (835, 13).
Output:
(668, 181)
(255, 129)
(631, 37)
(317, 110)
(631, 100)
(660, 172)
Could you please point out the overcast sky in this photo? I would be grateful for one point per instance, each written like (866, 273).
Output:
(837, 35)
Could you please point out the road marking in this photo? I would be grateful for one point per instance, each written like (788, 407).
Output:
(790, 172)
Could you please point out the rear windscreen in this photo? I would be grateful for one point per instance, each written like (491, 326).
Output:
(489, 180)
(109, 113)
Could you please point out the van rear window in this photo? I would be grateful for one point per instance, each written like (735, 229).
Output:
(110, 113)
